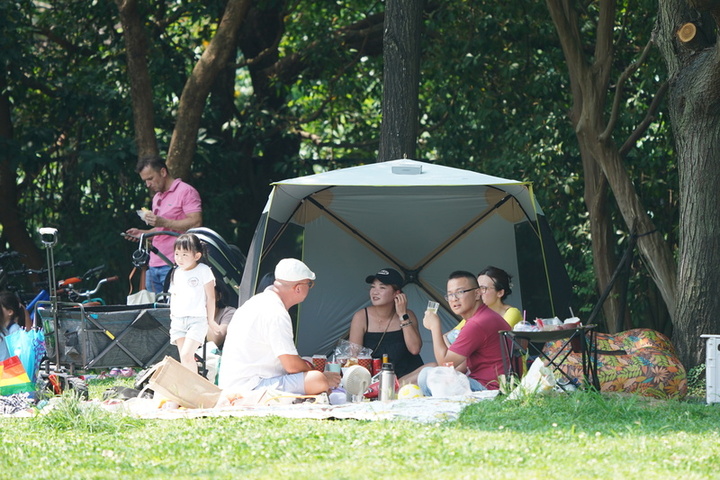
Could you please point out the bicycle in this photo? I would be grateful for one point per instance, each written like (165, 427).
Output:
(40, 289)
(68, 287)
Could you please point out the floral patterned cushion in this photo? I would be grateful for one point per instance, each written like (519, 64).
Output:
(639, 361)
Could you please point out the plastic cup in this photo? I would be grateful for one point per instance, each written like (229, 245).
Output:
(432, 306)
(333, 367)
(319, 362)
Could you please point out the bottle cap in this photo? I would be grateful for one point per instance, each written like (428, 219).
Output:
(387, 366)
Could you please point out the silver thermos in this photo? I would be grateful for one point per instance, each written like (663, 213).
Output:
(387, 382)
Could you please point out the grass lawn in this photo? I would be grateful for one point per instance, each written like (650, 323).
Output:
(585, 435)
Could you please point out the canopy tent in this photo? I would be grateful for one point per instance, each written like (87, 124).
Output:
(422, 219)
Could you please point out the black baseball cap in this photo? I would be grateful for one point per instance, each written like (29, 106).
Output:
(388, 276)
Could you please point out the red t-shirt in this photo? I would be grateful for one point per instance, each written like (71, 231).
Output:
(479, 343)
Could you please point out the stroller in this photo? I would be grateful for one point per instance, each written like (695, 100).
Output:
(226, 261)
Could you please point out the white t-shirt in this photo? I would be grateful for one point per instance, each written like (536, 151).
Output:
(260, 331)
(187, 291)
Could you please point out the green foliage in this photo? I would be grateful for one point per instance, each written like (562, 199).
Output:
(493, 98)
(697, 381)
(70, 413)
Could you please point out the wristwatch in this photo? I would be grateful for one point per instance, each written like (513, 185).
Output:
(405, 318)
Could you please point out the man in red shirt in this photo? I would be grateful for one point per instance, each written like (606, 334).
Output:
(176, 206)
(478, 343)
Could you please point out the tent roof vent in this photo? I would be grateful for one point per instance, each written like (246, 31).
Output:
(409, 168)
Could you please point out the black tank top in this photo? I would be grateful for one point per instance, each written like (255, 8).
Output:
(393, 343)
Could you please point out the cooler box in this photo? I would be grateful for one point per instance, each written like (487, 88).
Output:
(712, 368)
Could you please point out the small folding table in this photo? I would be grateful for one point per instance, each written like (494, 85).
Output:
(515, 345)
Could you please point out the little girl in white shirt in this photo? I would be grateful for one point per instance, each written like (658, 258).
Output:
(192, 299)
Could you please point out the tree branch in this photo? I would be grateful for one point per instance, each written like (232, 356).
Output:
(316, 114)
(139, 77)
(632, 68)
(63, 42)
(33, 84)
(317, 141)
(365, 36)
(605, 30)
(649, 117)
(565, 20)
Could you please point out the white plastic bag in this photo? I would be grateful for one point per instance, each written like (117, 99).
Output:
(447, 382)
(141, 298)
(538, 379)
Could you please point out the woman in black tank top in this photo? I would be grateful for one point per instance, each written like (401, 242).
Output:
(388, 326)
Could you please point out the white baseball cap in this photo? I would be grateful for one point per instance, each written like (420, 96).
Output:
(293, 270)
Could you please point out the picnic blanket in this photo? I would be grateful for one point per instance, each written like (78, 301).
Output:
(423, 410)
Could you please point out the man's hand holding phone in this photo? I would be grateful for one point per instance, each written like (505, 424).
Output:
(132, 234)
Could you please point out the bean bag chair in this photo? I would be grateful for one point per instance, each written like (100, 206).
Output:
(639, 361)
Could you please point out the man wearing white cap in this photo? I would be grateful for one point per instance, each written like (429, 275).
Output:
(259, 350)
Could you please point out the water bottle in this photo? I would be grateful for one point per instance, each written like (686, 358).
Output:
(387, 382)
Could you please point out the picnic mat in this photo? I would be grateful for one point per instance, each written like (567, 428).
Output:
(424, 409)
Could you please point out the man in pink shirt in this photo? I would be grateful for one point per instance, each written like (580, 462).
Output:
(176, 206)
(477, 345)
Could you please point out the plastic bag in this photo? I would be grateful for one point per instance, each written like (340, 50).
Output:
(447, 382)
(345, 350)
(140, 298)
(29, 347)
(13, 378)
(525, 326)
(538, 379)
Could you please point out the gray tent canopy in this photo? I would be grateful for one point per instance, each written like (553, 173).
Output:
(422, 219)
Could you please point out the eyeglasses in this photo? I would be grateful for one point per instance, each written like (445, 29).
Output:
(457, 295)
(309, 283)
(485, 288)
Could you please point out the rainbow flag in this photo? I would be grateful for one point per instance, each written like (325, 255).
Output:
(13, 378)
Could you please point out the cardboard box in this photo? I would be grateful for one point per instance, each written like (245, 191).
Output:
(173, 381)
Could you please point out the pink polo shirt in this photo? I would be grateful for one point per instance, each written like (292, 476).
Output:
(176, 203)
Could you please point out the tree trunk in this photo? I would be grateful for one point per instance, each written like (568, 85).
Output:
(601, 231)
(589, 83)
(401, 79)
(694, 101)
(192, 101)
(13, 225)
(589, 96)
(140, 83)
